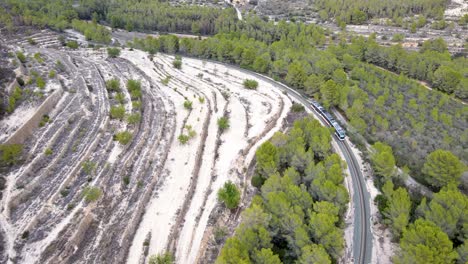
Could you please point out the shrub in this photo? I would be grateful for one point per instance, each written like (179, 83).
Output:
(123, 137)
(21, 56)
(31, 41)
(177, 64)
(113, 52)
(201, 100)
(134, 118)
(91, 194)
(72, 44)
(11, 153)
(48, 152)
(223, 123)
(229, 195)
(52, 74)
(117, 112)
(20, 81)
(188, 105)
(113, 85)
(165, 258)
(297, 108)
(166, 80)
(40, 82)
(250, 84)
(88, 167)
(183, 139)
(45, 119)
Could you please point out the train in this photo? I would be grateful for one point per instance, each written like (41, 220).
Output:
(339, 131)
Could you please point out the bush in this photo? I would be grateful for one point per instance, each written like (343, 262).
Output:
(48, 152)
(45, 119)
(117, 112)
(113, 52)
(31, 41)
(40, 83)
(183, 139)
(251, 84)
(165, 258)
(113, 85)
(223, 123)
(21, 56)
(297, 108)
(52, 74)
(88, 167)
(229, 195)
(134, 119)
(177, 64)
(72, 44)
(91, 194)
(11, 153)
(166, 80)
(123, 137)
(257, 181)
(188, 105)
(20, 81)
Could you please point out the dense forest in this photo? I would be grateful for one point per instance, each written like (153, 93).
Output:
(358, 12)
(297, 216)
(127, 14)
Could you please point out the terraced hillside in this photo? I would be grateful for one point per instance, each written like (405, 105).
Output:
(105, 187)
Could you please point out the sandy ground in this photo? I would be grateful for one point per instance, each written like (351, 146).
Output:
(460, 9)
(164, 209)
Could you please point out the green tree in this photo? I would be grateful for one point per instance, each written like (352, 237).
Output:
(330, 93)
(265, 256)
(423, 242)
(446, 79)
(267, 158)
(314, 254)
(229, 195)
(442, 167)
(296, 75)
(448, 210)
(397, 211)
(383, 160)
